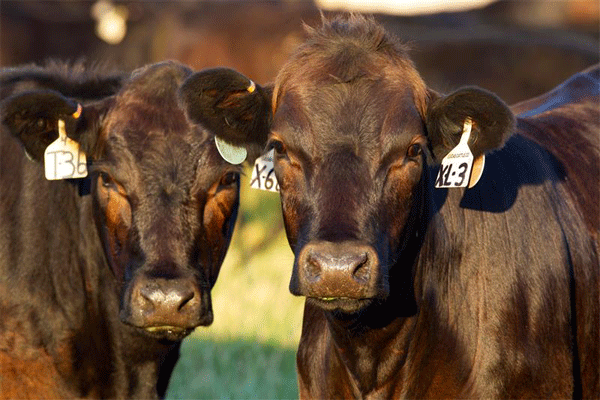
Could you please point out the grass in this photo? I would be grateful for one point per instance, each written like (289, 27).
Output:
(249, 350)
(236, 369)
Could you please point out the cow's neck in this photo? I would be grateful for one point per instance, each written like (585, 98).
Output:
(371, 355)
(132, 359)
(377, 348)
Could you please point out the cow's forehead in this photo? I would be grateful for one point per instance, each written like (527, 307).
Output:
(149, 102)
(149, 136)
(370, 116)
(349, 85)
(165, 161)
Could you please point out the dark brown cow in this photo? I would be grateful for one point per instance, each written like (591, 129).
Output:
(102, 277)
(418, 292)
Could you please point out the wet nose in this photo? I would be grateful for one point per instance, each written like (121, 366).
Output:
(159, 302)
(336, 270)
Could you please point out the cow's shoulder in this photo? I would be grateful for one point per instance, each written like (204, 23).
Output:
(31, 343)
(570, 134)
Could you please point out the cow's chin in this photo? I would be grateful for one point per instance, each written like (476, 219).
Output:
(343, 305)
(169, 333)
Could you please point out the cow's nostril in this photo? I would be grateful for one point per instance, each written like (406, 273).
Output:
(185, 299)
(361, 271)
(149, 297)
(313, 267)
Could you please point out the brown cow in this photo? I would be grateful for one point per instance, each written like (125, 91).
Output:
(101, 277)
(418, 292)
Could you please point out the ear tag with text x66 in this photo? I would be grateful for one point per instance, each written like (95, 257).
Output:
(63, 158)
(263, 174)
(455, 170)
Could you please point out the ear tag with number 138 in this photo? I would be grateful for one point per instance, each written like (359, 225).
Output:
(455, 170)
(63, 159)
(263, 174)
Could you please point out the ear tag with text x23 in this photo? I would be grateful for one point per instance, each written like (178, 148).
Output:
(456, 167)
(263, 173)
(63, 159)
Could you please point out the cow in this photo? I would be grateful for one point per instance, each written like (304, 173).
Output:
(485, 289)
(102, 276)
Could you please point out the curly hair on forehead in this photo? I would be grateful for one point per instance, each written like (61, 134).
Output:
(346, 48)
(361, 30)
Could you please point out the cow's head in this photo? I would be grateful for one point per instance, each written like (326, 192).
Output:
(164, 200)
(354, 131)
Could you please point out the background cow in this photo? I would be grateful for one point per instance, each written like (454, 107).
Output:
(418, 292)
(101, 277)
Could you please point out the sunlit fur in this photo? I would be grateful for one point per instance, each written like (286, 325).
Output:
(489, 292)
(81, 258)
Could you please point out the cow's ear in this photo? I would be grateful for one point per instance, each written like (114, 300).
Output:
(231, 105)
(493, 122)
(32, 117)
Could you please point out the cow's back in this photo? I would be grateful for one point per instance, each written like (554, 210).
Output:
(565, 122)
(570, 133)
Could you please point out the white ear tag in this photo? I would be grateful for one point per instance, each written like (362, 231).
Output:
(63, 159)
(231, 153)
(263, 174)
(456, 167)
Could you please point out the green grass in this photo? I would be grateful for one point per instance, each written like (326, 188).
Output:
(237, 369)
(249, 350)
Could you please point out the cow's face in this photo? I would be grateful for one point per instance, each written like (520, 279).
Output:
(353, 131)
(349, 157)
(164, 200)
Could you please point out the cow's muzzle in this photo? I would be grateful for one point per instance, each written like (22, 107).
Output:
(167, 308)
(337, 275)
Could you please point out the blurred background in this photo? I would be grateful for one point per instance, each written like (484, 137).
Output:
(517, 49)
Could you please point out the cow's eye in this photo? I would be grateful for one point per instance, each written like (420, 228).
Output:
(107, 182)
(105, 179)
(229, 178)
(414, 150)
(277, 145)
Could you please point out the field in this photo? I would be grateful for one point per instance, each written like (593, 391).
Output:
(249, 350)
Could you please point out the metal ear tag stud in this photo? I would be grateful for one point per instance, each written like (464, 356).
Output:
(231, 153)
(77, 112)
(252, 87)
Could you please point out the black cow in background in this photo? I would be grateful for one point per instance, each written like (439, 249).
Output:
(102, 277)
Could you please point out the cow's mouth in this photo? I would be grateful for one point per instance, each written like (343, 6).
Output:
(168, 332)
(344, 304)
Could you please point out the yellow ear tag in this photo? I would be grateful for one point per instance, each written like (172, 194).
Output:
(77, 113)
(477, 170)
(455, 170)
(63, 159)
